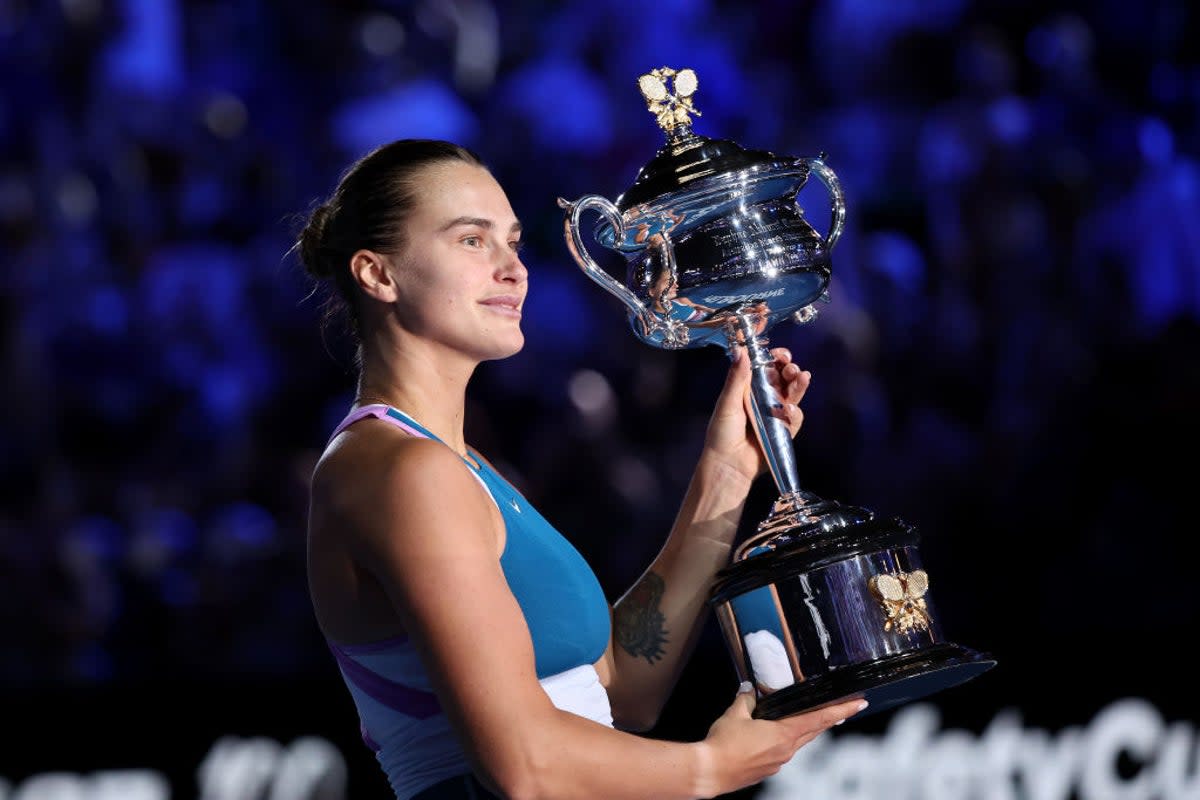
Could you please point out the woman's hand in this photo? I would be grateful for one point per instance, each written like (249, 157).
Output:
(731, 437)
(741, 751)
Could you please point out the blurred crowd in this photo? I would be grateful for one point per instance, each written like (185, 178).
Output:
(1009, 357)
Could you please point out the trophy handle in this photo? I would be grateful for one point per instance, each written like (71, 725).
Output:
(837, 199)
(593, 270)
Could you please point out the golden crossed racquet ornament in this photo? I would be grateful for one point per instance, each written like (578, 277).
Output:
(673, 107)
(902, 595)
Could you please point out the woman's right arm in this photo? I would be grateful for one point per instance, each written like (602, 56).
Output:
(426, 530)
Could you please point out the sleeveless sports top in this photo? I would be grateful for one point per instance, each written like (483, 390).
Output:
(564, 606)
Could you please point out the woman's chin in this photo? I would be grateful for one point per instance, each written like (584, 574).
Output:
(507, 348)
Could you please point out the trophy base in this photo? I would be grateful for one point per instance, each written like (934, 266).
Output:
(829, 602)
(885, 684)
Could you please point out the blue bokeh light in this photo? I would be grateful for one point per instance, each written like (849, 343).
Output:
(425, 108)
(147, 57)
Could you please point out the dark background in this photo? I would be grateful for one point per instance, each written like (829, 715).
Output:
(1009, 359)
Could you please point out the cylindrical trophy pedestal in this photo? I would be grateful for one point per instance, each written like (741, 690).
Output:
(838, 614)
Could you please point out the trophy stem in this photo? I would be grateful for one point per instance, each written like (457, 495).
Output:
(769, 423)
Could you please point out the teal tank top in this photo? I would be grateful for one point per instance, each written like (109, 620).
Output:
(562, 601)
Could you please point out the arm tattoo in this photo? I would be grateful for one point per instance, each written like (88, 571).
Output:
(639, 623)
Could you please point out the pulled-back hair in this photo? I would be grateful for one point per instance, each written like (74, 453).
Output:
(367, 211)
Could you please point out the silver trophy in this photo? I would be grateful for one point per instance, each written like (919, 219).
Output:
(824, 601)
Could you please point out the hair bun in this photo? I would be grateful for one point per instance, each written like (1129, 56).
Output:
(312, 243)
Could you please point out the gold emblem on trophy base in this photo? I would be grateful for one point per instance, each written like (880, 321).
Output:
(902, 595)
(670, 108)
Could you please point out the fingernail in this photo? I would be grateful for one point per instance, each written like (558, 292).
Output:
(861, 705)
(746, 686)
(839, 722)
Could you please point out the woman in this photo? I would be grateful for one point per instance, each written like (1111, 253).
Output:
(477, 645)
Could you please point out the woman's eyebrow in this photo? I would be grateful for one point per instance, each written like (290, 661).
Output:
(481, 222)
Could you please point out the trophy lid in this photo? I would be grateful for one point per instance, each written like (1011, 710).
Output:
(688, 157)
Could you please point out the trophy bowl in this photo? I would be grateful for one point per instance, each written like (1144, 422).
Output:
(696, 256)
(824, 601)
(709, 229)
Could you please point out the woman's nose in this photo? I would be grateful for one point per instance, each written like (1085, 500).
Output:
(513, 269)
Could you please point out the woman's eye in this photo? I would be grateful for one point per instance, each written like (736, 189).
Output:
(472, 241)
(516, 246)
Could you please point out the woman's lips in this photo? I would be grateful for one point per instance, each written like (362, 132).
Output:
(508, 305)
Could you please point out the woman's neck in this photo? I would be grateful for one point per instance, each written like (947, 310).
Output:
(430, 390)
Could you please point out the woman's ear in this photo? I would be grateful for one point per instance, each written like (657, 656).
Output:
(370, 272)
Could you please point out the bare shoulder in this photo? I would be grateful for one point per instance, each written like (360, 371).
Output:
(376, 485)
(370, 457)
(381, 504)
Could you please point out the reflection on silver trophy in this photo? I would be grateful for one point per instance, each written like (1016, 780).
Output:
(825, 601)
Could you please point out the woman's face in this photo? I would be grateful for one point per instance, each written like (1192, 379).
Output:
(460, 280)
(664, 288)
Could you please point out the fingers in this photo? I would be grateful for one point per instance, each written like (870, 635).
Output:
(793, 416)
(791, 383)
(737, 378)
(811, 723)
(746, 700)
(788, 379)
(748, 696)
(795, 383)
(840, 712)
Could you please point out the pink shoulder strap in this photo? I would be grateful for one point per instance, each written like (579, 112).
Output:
(379, 411)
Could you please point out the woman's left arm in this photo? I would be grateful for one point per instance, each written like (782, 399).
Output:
(656, 623)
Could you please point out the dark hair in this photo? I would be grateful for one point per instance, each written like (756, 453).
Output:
(367, 211)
